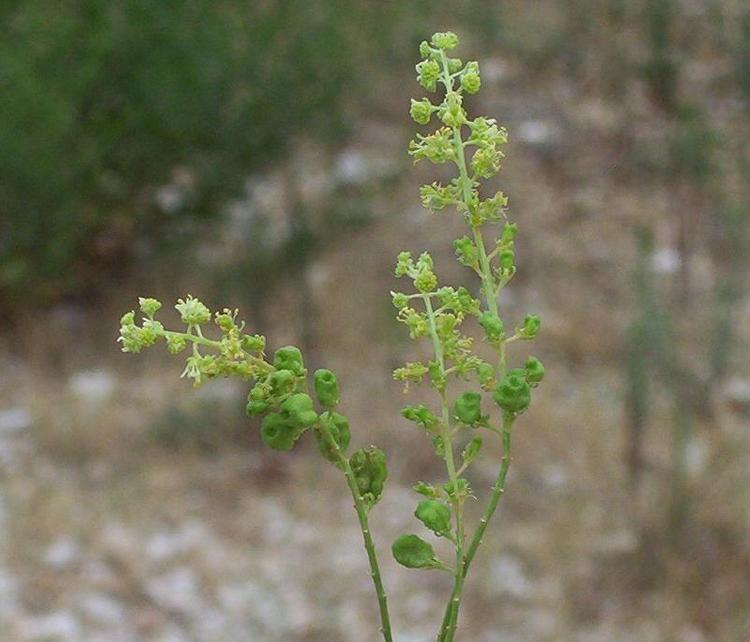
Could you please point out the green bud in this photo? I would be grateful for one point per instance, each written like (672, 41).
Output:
(460, 489)
(299, 408)
(370, 472)
(413, 552)
(326, 388)
(466, 251)
(255, 408)
(421, 111)
(400, 300)
(509, 234)
(531, 325)
(226, 319)
(338, 427)
(279, 432)
(470, 79)
(289, 358)
(445, 40)
(427, 490)
(434, 515)
(534, 371)
(192, 311)
(468, 408)
(404, 264)
(420, 415)
(506, 259)
(149, 307)
(471, 451)
(454, 64)
(492, 324)
(486, 373)
(428, 72)
(513, 393)
(451, 111)
(424, 49)
(176, 343)
(253, 343)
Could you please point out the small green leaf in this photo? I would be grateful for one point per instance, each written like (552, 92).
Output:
(434, 515)
(471, 451)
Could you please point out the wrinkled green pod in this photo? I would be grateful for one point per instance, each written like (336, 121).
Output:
(289, 358)
(326, 388)
(370, 472)
(534, 371)
(299, 408)
(338, 426)
(413, 552)
(435, 515)
(468, 408)
(278, 432)
(492, 324)
(513, 393)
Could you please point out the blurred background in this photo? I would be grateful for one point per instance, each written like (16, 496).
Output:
(253, 153)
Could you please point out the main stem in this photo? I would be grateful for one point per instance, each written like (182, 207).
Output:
(361, 508)
(490, 289)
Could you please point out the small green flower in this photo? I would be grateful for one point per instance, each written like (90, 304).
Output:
(445, 40)
(149, 307)
(428, 72)
(421, 416)
(421, 111)
(470, 79)
(175, 343)
(192, 311)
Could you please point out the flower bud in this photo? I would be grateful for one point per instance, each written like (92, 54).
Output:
(326, 388)
(435, 515)
(530, 327)
(445, 40)
(149, 307)
(420, 415)
(470, 79)
(468, 408)
(253, 342)
(413, 552)
(506, 259)
(421, 111)
(486, 373)
(176, 343)
(492, 324)
(513, 393)
(424, 49)
(289, 358)
(278, 432)
(534, 371)
(428, 72)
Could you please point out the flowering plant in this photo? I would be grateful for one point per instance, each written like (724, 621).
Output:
(285, 397)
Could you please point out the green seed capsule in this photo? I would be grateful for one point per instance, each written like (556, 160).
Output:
(278, 432)
(326, 388)
(492, 324)
(370, 471)
(413, 552)
(289, 358)
(281, 382)
(255, 408)
(534, 371)
(531, 325)
(468, 408)
(338, 426)
(299, 409)
(513, 393)
(434, 515)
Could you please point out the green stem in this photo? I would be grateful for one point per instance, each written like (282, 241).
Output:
(362, 510)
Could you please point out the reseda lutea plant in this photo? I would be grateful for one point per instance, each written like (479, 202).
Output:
(281, 392)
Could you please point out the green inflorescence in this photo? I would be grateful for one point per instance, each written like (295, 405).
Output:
(287, 406)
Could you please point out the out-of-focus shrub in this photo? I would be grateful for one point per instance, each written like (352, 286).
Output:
(120, 120)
